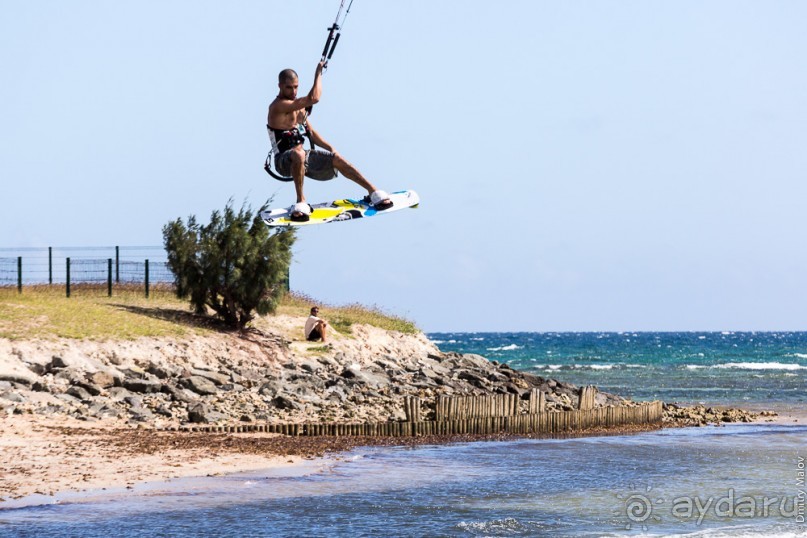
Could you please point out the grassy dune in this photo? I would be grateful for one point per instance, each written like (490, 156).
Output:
(342, 317)
(45, 312)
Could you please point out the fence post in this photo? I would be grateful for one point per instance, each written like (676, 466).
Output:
(109, 277)
(67, 286)
(117, 265)
(19, 274)
(147, 279)
(50, 266)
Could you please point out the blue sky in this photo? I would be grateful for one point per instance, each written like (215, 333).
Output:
(606, 165)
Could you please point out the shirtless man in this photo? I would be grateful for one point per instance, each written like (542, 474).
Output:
(287, 123)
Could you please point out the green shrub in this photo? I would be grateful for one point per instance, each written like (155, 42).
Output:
(234, 265)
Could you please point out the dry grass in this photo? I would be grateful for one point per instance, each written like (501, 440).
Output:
(342, 317)
(45, 312)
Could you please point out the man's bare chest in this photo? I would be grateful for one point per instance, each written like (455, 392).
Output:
(284, 120)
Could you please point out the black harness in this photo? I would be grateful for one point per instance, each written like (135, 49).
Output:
(286, 139)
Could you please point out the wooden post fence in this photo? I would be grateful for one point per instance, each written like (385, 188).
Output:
(479, 415)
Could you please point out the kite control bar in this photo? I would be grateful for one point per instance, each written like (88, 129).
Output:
(335, 32)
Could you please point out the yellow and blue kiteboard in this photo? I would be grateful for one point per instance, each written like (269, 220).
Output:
(341, 210)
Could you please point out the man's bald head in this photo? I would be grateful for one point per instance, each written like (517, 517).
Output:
(286, 74)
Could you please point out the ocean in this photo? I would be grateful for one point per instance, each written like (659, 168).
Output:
(733, 480)
(763, 369)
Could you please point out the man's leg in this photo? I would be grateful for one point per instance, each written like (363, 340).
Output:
(350, 172)
(323, 331)
(298, 171)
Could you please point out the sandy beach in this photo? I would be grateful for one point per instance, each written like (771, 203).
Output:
(44, 456)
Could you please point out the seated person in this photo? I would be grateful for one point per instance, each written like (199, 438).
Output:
(315, 328)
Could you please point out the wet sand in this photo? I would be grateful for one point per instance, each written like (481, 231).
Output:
(45, 456)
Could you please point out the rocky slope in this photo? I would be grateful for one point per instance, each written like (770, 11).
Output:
(263, 375)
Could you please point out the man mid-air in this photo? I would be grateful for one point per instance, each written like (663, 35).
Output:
(287, 124)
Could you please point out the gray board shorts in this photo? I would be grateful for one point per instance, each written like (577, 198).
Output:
(318, 164)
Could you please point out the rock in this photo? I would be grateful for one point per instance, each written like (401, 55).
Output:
(179, 394)
(79, 393)
(477, 361)
(133, 401)
(328, 362)
(39, 386)
(143, 386)
(473, 379)
(103, 380)
(119, 393)
(13, 397)
(215, 377)
(355, 373)
(270, 388)
(16, 378)
(68, 398)
(37, 368)
(496, 377)
(56, 362)
(68, 374)
(248, 378)
(158, 371)
(304, 383)
(140, 414)
(202, 414)
(283, 402)
(200, 385)
(164, 411)
(233, 387)
(94, 390)
(107, 411)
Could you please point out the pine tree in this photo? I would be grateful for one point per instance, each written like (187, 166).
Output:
(234, 265)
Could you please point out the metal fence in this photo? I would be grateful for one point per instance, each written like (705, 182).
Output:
(85, 268)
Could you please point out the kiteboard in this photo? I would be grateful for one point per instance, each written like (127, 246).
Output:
(341, 210)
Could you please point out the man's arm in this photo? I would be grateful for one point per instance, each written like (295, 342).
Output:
(313, 97)
(318, 140)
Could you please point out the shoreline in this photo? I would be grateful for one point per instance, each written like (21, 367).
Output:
(81, 418)
(56, 460)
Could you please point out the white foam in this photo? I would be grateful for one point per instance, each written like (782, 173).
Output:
(799, 355)
(588, 366)
(761, 366)
(511, 347)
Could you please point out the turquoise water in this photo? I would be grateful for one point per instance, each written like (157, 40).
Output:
(736, 480)
(715, 368)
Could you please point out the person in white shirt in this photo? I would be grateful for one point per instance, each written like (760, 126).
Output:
(315, 328)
